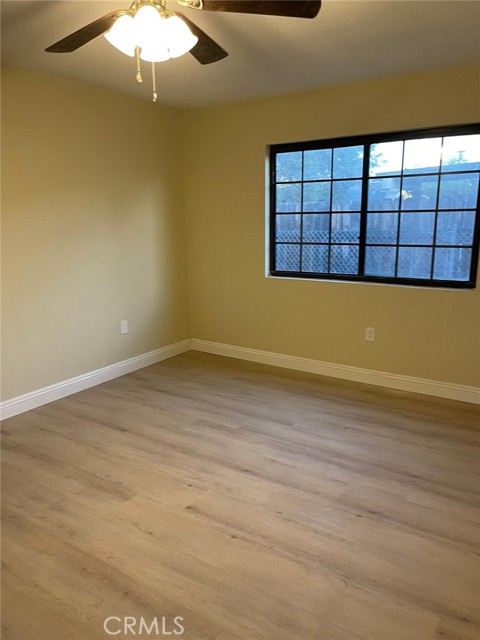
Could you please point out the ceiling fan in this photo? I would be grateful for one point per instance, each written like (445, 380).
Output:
(150, 32)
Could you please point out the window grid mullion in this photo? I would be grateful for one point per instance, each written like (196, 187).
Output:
(300, 256)
(435, 223)
(363, 210)
(330, 215)
(399, 213)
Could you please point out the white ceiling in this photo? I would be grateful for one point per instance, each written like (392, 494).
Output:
(349, 40)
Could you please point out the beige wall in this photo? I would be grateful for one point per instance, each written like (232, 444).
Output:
(92, 229)
(93, 187)
(426, 333)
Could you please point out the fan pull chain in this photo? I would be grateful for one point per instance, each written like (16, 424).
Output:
(139, 72)
(154, 83)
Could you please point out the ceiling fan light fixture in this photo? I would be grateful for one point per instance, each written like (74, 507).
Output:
(157, 52)
(150, 34)
(123, 35)
(178, 37)
(148, 25)
(159, 35)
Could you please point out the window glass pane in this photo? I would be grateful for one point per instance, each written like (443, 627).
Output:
(419, 192)
(459, 191)
(316, 196)
(344, 259)
(386, 158)
(382, 228)
(455, 227)
(414, 262)
(452, 264)
(315, 258)
(289, 197)
(289, 166)
(383, 194)
(347, 195)
(317, 164)
(348, 162)
(417, 228)
(461, 153)
(422, 156)
(287, 257)
(345, 227)
(287, 228)
(316, 227)
(410, 215)
(380, 261)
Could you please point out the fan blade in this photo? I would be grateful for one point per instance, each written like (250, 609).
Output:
(289, 8)
(206, 50)
(77, 39)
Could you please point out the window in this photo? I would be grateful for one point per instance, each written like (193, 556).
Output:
(397, 208)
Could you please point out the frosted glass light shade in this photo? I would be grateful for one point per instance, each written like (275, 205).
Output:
(158, 37)
(122, 35)
(178, 36)
(148, 26)
(157, 52)
(150, 34)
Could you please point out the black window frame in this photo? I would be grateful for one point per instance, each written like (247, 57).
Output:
(367, 141)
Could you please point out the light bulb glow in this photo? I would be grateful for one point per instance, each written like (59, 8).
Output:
(148, 26)
(178, 36)
(159, 37)
(154, 52)
(122, 35)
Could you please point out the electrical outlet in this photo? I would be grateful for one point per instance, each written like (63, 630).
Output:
(123, 327)
(370, 334)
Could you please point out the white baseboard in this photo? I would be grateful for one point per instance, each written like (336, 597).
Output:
(20, 404)
(399, 382)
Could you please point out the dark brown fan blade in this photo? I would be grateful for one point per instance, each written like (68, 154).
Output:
(77, 39)
(289, 8)
(206, 50)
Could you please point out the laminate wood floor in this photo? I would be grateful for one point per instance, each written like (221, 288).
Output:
(252, 502)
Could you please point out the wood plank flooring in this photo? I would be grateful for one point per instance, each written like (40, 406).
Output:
(252, 502)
